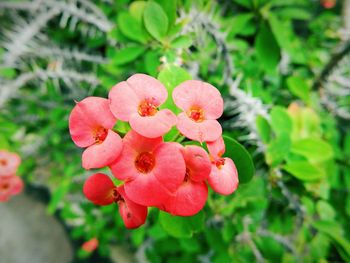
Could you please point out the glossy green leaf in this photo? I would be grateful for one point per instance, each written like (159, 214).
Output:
(182, 42)
(241, 158)
(281, 122)
(263, 128)
(156, 20)
(181, 227)
(278, 150)
(299, 88)
(316, 150)
(304, 170)
(126, 54)
(131, 27)
(267, 49)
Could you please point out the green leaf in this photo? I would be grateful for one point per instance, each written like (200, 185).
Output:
(245, 3)
(278, 150)
(58, 195)
(181, 227)
(281, 122)
(299, 88)
(156, 20)
(263, 128)
(182, 42)
(171, 76)
(239, 22)
(3, 142)
(169, 6)
(131, 27)
(7, 73)
(334, 231)
(137, 8)
(325, 210)
(126, 54)
(267, 49)
(304, 170)
(152, 62)
(241, 158)
(315, 150)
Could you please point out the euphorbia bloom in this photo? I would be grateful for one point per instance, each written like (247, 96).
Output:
(91, 245)
(150, 168)
(192, 194)
(202, 104)
(9, 186)
(100, 190)
(223, 177)
(90, 125)
(136, 100)
(9, 163)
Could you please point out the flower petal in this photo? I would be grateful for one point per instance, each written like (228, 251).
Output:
(98, 188)
(146, 190)
(216, 148)
(153, 126)
(133, 215)
(170, 166)
(188, 200)
(197, 93)
(9, 163)
(197, 162)
(10, 185)
(207, 130)
(103, 154)
(89, 114)
(17, 185)
(224, 180)
(123, 101)
(141, 143)
(148, 88)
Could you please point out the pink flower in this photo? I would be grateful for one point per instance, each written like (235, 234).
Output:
(100, 190)
(223, 177)
(9, 186)
(192, 194)
(91, 245)
(137, 100)
(150, 168)
(90, 125)
(9, 163)
(202, 104)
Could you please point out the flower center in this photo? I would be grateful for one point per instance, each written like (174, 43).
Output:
(145, 162)
(219, 162)
(187, 175)
(147, 108)
(116, 196)
(3, 162)
(196, 113)
(100, 134)
(5, 186)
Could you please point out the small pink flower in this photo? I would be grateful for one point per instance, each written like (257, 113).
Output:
(9, 186)
(9, 163)
(150, 168)
(91, 245)
(90, 125)
(202, 104)
(223, 177)
(100, 190)
(137, 100)
(192, 194)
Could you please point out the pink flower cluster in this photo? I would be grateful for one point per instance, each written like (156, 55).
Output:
(10, 184)
(166, 175)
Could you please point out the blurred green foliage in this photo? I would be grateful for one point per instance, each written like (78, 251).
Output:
(265, 57)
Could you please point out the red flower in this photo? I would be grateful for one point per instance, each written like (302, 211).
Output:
(137, 100)
(202, 105)
(90, 125)
(100, 190)
(91, 245)
(9, 186)
(223, 177)
(192, 194)
(9, 163)
(150, 168)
